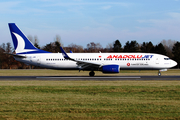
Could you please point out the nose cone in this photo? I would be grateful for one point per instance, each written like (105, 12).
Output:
(173, 63)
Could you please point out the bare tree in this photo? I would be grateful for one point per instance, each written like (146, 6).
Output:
(75, 48)
(109, 48)
(94, 47)
(34, 41)
(168, 45)
(30, 38)
(58, 39)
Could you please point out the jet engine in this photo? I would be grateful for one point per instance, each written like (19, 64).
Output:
(110, 68)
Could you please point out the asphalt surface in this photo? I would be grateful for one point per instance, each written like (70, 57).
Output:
(95, 78)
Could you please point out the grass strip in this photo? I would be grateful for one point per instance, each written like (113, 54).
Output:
(90, 100)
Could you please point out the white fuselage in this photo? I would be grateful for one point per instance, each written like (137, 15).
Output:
(139, 61)
(27, 53)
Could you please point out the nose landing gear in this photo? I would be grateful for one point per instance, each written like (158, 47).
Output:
(159, 73)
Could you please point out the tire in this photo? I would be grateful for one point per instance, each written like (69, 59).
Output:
(159, 74)
(91, 73)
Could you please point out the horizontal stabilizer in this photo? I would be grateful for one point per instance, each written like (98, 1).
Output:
(16, 55)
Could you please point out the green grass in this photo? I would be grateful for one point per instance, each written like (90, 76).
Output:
(89, 100)
(45, 72)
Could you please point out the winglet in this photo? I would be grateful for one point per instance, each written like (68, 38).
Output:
(65, 54)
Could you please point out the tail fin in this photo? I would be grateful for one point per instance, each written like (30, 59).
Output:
(21, 43)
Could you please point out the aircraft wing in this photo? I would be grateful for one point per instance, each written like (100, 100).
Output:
(82, 64)
(85, 64)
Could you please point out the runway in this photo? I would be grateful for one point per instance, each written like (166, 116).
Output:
(83, 78)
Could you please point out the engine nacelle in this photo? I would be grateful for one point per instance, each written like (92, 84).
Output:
(110, 68)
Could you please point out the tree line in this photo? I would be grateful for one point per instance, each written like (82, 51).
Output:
(170, 48)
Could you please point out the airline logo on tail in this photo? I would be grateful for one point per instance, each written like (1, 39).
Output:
(21, 43)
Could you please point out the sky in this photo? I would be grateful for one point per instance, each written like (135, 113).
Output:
(101, 21)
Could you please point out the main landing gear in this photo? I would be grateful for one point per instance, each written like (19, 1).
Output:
(91, 73)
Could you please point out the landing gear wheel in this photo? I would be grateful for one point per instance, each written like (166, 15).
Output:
(159, 73)
(91, 73)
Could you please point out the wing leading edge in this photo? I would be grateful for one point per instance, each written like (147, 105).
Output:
(82, 64)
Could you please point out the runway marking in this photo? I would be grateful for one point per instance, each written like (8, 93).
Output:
(88, 77)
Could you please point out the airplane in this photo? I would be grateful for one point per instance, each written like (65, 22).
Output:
(110, 63)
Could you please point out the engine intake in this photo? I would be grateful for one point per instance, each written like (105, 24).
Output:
(110, 68)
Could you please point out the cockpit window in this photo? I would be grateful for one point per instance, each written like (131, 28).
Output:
(166, 58)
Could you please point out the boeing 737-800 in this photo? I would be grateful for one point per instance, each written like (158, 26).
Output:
(105, 62)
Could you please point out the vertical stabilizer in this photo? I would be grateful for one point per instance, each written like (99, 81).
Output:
(21, 43)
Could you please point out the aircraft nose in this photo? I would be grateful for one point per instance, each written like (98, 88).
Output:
(173, 63)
